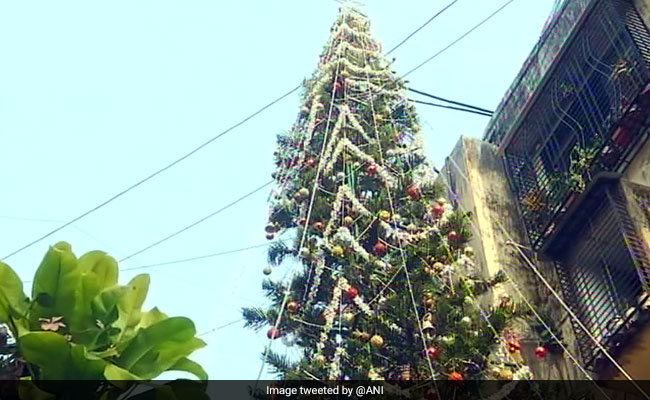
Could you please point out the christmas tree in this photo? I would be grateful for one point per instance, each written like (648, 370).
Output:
(386, 286)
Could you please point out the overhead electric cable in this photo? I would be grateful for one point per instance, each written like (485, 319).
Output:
(135, 185)
(140, 182)
(451, 101)
(422, 26)
(451, 108)
(459, 38)
(195, 223)
(202, 257)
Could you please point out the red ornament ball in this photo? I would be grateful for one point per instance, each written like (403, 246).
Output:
(432, 352)
(319, 226)
(338, 86)
(456, 376)
(437, 210)
(453, 236)
(380, 249)
(513, 346)
(414, 192)
(302, 221)
(273, 333)
(541, 352)
(372, 169)
(293, 306)
(352, 292)
(310, 162)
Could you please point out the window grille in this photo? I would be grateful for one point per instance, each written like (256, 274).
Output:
(603, 267)
(587, 116)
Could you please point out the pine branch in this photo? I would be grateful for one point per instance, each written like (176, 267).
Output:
(255, 318)
(280, 364)
(277, 252)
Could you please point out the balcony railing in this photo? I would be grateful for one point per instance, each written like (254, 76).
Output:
(588, 116)
(603, 265)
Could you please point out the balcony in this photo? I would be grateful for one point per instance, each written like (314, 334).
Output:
(602, 258)
(589, 114)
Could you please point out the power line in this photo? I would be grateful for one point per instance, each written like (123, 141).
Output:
(220, 327)
(420, 28)
(193, 224)
(459, 38)
(451, 101)
(212, 255)
(135, 185)
(192, 152)
(452, 108)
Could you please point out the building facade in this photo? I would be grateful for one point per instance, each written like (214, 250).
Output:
(570, 138)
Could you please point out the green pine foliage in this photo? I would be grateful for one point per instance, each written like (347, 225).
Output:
(386, 286)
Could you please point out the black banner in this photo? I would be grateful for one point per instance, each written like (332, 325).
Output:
(325, 390)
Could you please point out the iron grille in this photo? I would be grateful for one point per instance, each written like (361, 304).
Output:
(602, 269)
(586, 118)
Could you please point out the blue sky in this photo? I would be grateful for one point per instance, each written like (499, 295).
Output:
(95, 96)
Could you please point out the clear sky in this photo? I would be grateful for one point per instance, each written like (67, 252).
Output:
(97, 95)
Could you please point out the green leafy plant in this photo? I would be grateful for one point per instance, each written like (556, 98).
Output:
(81, 324)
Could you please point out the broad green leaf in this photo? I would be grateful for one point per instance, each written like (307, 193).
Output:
(187, 365)
(48, 350)
(98, 272)
(13, 302)
(57, 279)
(29, 390)
(157, 348)
(130, 305)
(58, 359)
(151, 317)
(117, 374)
(83, 365)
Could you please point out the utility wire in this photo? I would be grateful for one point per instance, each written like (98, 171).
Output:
(451, 101)
(460, 38)
(116, 196)
(135, 185)
(420, 28)
(451, 108)
(184, 260)
(220, 327)
(193, 224)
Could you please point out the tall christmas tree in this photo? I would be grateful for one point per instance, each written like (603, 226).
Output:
(386, 286)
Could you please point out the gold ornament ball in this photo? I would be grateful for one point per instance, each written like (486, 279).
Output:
(348, 221)
(348, 317)
(506, 374)
(377, 341)
(302, 194)
(469, 252)
(304, 252)
(362, 336)
(384, 215)
(337, 251)
(319, 358)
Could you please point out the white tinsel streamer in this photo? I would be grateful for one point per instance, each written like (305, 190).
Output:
(329, 314)
(318, 273)
(344, 236)
(335, 366)
(344, 192)
(358, 300)
(382, 172)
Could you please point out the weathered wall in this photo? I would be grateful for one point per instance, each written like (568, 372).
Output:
(643, 6)
(476, 176)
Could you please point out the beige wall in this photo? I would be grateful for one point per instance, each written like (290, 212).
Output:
(477, 174)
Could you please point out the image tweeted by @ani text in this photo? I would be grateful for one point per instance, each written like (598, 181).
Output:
(325, 392)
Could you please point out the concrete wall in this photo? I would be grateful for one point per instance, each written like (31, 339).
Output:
(475, 173)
